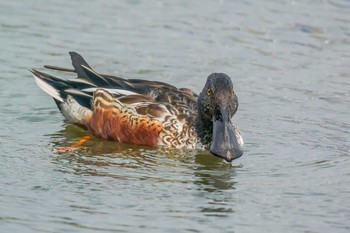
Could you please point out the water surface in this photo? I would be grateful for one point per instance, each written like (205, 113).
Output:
(289, 61)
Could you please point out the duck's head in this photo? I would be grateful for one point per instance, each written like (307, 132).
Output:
(217, 103)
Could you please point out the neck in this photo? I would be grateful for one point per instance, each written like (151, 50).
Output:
(204, 129)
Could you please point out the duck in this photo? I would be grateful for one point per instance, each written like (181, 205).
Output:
(144, 112)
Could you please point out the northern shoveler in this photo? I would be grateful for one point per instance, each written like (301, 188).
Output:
(147, 112)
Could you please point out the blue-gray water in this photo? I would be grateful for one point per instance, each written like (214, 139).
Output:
(290, 63)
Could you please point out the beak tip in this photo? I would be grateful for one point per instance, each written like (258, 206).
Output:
(228, 155)
(225, 142)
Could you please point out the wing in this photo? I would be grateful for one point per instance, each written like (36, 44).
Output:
(139, 119)
(154, 100)
(130, 91)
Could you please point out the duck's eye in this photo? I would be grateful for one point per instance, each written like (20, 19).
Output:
(209, 92)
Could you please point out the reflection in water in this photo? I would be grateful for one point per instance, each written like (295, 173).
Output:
(214, 174)
(101, 153)
(215, 184)
(210, 177)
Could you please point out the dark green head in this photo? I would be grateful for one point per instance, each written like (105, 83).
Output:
(217, 103)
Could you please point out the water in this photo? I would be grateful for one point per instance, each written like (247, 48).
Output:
(289, 61)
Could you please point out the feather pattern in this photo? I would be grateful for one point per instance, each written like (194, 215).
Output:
(127, 110)
(146, 112)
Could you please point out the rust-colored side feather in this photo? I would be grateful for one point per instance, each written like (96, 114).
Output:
(114, 121)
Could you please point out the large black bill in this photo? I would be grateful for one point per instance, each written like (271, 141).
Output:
(225, 142)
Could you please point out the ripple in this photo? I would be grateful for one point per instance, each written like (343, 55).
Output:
(289, 64)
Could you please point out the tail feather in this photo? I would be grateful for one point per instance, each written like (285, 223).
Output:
(59, 68)
(78, 61)
(46, 86)
(94, 77)
(83, 98)
(61, 84)
(74, 104)
(81, 83)
(105, 81)
(74, 97)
